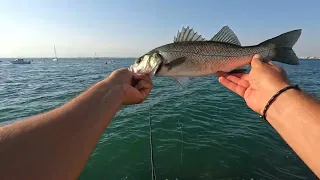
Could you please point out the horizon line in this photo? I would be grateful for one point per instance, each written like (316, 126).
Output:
(125, 57)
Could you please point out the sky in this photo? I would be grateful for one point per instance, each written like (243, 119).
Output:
(119, 28)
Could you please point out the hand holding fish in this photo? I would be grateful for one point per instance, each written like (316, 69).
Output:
(135, 87)
(294, 114)
(257, 87)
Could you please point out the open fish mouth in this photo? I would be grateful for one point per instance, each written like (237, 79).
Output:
(146, 65)
(147, 70)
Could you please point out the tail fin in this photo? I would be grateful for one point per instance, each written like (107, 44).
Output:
(282, 46)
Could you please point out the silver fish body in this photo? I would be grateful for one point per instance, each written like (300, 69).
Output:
(202, 58)
(191, 55)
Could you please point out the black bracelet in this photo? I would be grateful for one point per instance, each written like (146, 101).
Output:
(275, 96)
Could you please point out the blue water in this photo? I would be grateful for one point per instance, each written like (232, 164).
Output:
(219, 137)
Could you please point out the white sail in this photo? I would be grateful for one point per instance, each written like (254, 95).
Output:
(55, 54)
(95, 56)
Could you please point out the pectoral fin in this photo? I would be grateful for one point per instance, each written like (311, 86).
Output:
(175, 62)
(182, 81)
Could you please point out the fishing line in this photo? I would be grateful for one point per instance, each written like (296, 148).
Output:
(153, 173)
(180, 127)
(154, 177)
(182, 85)
(181, 132)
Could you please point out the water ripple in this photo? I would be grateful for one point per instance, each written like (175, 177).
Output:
(221, 138)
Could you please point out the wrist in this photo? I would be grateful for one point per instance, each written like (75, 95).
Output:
(111, 89)
(283, 104)
(268, 93)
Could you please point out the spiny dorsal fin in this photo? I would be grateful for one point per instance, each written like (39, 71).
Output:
(187, 34)
(226, 35)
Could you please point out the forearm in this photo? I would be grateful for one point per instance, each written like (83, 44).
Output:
(57, 144)
(296, 116)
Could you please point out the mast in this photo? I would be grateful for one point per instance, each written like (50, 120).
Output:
(55, 52)
(95, 56)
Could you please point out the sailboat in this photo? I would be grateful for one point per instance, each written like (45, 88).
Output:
(95, 57)
(55, 54)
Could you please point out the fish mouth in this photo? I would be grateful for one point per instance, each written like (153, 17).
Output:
(151, 67)
(152, 71)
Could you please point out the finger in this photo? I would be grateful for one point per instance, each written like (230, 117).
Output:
(243, 76)
(269, 62)
(141, 77)
(138, 77)
(256, 61)
(239, 75)
(232, 86)
(237, 80)
(145, 92)
(144, 88)
(143, 84)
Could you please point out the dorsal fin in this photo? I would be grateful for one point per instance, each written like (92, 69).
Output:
(226, 35)
(187, 34)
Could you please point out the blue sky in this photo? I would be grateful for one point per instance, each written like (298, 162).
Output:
(131, 28)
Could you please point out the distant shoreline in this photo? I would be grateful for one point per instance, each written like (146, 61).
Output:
(50, 58)
(308, 59)
(99, 58)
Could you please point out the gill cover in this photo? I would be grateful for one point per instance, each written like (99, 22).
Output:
(155, 62)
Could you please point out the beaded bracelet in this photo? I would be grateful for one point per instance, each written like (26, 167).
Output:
(275, 96)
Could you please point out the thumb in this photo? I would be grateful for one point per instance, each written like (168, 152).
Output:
(256, 61)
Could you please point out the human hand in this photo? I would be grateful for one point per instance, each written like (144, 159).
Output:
(135, 87)
(257, 87)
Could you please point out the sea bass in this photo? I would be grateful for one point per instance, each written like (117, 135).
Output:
(191, 55)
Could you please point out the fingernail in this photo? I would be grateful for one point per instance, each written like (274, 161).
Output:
(257, 56)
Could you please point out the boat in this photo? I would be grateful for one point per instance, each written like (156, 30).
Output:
(20, 61)
(94, 57)
(55, 54)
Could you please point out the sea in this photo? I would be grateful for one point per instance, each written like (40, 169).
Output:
(201, 132)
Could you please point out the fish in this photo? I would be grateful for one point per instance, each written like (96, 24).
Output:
(191, 55)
